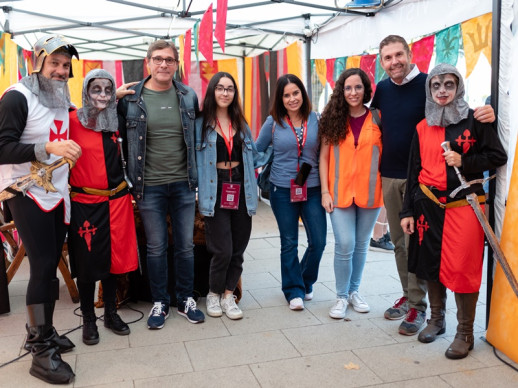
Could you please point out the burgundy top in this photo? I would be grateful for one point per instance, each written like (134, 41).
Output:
(356, 124)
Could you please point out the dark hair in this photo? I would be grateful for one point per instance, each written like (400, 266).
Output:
(160, 45)
(278, 110)
(332, 126)
(394, 39)
(210, 106)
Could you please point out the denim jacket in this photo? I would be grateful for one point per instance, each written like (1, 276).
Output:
(206, 157)
(133, 129)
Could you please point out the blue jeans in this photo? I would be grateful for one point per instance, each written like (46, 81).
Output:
(352, 227)
(177, 200)
(298, 278)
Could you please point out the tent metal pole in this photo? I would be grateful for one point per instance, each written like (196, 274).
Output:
(308, 67)
(495, 73)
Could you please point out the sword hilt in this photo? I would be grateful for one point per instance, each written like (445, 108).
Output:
(463, 183)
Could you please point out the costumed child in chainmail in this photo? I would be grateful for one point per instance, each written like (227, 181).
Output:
(101, 237)
(446, 240)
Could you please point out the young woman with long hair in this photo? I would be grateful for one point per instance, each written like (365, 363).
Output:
(292, 128)
(351, 183)
(227, 192)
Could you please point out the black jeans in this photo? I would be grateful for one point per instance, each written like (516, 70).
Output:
(43, 235)
(227, 234)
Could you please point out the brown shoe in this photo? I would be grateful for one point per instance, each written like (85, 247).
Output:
(464, 340)
(436, 325)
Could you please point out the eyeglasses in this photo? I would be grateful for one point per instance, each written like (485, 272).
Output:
(169, 61)
(221, 89)
(349, 89)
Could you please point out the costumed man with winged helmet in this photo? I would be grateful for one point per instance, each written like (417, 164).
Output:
(34, 133)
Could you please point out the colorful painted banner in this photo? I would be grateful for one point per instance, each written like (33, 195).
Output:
(476, 36)
(422, 51)
(447, 45)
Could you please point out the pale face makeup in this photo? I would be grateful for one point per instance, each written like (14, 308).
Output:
(100, 92)
(443, 88)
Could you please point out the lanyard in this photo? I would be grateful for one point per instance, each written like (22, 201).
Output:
(300, 144)
(229, 143)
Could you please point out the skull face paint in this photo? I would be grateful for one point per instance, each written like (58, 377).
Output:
(443, 88)
(100, 91)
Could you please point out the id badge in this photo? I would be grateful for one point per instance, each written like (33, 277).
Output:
(230, 195)
(298, 193)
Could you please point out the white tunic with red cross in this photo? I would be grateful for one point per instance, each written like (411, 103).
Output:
(43, 125)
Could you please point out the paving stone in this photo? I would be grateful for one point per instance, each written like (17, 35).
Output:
(239, 350)
(330, 370)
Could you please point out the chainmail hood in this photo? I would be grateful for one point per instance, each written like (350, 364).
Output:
(455, 111)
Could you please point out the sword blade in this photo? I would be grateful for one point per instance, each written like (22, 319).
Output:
(493, 241)
(20, 186)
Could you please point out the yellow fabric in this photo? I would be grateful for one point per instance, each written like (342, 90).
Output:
(321, 69)
(476, 35)
(294, 55)
(9, 71)
(229, 66)
(75, 84)
(180, 54)
(353, 61)
(248, 89)
(503, 315)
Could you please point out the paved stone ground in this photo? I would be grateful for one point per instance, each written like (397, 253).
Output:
(271, 346)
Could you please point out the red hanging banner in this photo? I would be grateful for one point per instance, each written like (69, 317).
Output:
(187, 56)
(221, 23)
(205, 35)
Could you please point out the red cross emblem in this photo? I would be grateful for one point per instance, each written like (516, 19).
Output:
(114, 138)
(55, 131)
(465, 141)
(87, 233)
(422, 226)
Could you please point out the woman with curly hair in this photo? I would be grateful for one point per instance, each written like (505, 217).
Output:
(351, 183)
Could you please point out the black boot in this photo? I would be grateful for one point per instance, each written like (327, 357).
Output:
(90, 333)
(47, 364)
(113, 321)
(64, 344)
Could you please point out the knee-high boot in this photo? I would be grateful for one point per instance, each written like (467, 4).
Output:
(47, 364)
(464, 340)
(437, 322)
(63, 342)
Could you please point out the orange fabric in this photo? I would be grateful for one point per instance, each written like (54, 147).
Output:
(358, 179)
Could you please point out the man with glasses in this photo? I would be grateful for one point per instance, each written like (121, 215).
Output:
(157, 126)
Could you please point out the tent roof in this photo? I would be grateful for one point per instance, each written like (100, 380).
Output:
(121, 29)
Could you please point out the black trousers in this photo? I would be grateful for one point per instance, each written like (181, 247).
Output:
(43, 234)
(227, 234)
(87, 293)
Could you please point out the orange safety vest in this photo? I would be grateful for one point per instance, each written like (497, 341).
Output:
(354, 171)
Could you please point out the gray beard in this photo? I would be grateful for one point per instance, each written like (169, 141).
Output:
(52, 94)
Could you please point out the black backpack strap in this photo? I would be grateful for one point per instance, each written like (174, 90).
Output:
(376, 117)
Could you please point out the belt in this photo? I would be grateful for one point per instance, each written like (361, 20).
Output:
(102, 193)
(449, 205)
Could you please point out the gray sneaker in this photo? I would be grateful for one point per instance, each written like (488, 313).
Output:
(413, 321)
(399, 309)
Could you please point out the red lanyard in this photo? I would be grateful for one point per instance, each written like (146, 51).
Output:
(228, 142)
(300, 146)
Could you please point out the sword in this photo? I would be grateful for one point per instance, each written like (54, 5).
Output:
(490, 235)
(40, 175)
(124, 164)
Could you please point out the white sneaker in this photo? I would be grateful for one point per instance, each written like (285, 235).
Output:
(230, 308)
(309, 296)
(296, 304)
(213, 306)
(358, 303)
(338, 310)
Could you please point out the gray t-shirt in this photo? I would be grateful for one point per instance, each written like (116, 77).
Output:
(166, 152)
